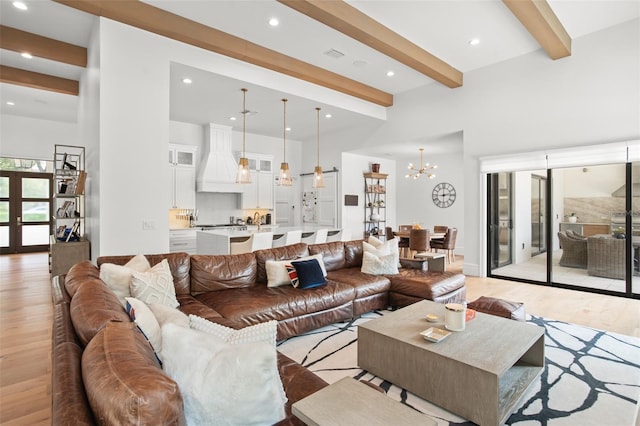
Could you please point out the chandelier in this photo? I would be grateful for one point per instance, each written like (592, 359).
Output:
(422, 169)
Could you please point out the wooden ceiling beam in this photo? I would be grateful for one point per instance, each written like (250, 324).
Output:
(42, 47)
(538, 18)
(345, 18)
(167, 24)
(38, 81)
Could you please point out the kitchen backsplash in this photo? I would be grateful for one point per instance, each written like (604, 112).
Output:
(593, 209)
(216, 208)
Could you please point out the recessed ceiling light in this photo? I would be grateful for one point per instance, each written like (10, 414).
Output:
(474, 41)
(288, 129)
(20, 5)
(187, 80)
(232, 118)
(11, 103)
(274, 22)
(26, 55)
(328, 116)
(390, 73)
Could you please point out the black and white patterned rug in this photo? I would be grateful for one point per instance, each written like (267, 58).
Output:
(591, 377)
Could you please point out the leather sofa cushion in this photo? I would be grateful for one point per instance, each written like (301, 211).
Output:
(69, 402)
(93, 306)
(222, 272)
(499, 307)
(124, 382)
(364, 284)
(353, 253)
(78, 274)
(424, 284)
(289, 252)
(261, 303)
(298, 383)
(179, 263)
(332, 254)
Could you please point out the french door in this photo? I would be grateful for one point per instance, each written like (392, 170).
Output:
(500, 220)
(25, 211)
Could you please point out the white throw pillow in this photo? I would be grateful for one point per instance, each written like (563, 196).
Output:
(118, 277)
(146, 321)
(380, 248)
(263, 332)
(379, 265)
(221, 383)
(166, 314)
(277, 274)
(155, 285)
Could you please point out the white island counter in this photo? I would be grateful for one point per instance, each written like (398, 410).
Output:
(217, 241)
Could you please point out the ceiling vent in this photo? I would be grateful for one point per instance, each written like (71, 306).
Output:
(333, 53)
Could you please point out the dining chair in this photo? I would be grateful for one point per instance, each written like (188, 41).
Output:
(418, 242)
(448, 244)
(388, 232)
(403, 243)
(288, 238)
(257, 241)
(440, 229)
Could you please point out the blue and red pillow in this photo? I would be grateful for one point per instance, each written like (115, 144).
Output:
(306, 273)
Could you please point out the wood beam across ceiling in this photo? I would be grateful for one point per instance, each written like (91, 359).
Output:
(543, 24)
(345, 18)
(167, 24)
(38, 81)
(42, 47)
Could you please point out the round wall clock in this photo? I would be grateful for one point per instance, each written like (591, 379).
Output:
(443, 195)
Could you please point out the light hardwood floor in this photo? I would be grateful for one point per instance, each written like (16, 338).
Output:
(26, 318)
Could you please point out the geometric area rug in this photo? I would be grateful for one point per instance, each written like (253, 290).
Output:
(591, 377)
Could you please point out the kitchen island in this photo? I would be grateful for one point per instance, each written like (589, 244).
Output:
(218, 241)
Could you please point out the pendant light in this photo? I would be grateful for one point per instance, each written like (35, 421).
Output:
(243, 175)
(422, 169)
(285, 175)
(318, 177)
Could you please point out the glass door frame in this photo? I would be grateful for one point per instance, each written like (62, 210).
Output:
(15, 201)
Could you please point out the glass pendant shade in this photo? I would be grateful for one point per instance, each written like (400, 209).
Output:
(318, 177)
(284, 179)
(243, 175)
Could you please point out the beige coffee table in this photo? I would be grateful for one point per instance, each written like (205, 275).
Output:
(348, 402)
(480, 373)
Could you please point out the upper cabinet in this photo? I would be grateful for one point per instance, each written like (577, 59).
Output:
(259, 193)
(182, 164)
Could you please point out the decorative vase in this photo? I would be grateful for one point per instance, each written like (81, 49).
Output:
(375, 217)
(573, 219)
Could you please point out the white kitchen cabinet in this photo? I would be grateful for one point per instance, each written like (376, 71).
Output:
(182, 163)
(182, 240)
(259, 193)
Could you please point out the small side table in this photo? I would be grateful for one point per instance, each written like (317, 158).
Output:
(348, 402)
(435, 261)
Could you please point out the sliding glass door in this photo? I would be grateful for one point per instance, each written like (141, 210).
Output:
(573, 227)
(501, 221)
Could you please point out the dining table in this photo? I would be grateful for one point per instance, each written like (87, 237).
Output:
(407, 234)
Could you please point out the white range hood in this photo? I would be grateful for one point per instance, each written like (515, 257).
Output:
(218, 167)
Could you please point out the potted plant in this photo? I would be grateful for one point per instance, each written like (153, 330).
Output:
(573, 218)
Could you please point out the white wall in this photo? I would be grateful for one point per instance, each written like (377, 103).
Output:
(25, 137)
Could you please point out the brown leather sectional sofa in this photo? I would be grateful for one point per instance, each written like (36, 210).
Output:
(105, 372)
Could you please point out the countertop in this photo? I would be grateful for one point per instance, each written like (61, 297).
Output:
(276, 229)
